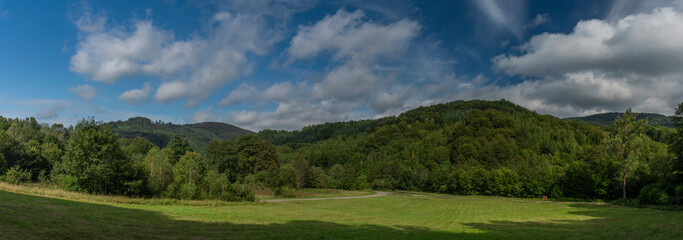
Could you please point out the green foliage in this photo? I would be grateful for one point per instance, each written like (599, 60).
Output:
(189, 175)
(607, 119)
(95, 163)
(476, 147)
(138, 145)
(180, 146)
(16, 175)
(303, 172)
(160, 133)
(287, 176)
(653, 194)
(625, 142)
(159, 164)
(223, 156)
(255, 155)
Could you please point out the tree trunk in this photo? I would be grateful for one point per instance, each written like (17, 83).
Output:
(624, 185)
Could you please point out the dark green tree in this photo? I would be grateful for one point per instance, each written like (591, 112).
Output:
(139, 146)
(179, 145)
(222, 156)
(95, 163)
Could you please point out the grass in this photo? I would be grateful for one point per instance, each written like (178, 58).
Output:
(36, 213)
(314, 193)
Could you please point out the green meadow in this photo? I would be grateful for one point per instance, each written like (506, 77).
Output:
(39, 213)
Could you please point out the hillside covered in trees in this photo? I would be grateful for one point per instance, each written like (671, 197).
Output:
(464, 147)
(478, 147)
(160, 133)
(607, 119)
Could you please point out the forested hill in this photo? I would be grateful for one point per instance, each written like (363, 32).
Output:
(160, 133)
(470, 147)
(435, 116)
(606, 119)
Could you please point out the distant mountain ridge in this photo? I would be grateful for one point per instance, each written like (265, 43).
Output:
(160, 133)
(607, 119)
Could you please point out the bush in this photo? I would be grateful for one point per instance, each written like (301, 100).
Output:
(556, 192)
(383, 184)
(653, 194)
(16, 175)
(237, 192)
(362, 182)
(285, 191)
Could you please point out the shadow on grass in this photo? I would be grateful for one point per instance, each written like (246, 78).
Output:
(607, 222)
(32, 217)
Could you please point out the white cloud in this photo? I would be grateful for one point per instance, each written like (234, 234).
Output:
(622, 8)
(47, 113)
(279, 92)
(190, 69)
(291, 115)
(348, 83)
(244, 92)
(85, 91)
(600, 66)
(646, 44)
(358, 87)
(135, 96)
(204, 116)
(347, 35)
(540, 19)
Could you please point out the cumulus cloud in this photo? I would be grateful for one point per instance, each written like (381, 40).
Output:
(135, 96)
(280, 92)
(643, 43)
(346, 35)
(356, 87)
(190, 69)
(204, 116)
(348, 83)
(601, 66)
(241, 94)
(292, 115)
(85, 91)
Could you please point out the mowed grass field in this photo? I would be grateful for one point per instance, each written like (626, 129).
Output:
(35, 213)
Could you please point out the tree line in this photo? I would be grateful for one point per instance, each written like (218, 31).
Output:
(463, 147)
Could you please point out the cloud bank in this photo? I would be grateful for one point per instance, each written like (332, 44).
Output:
(189, 69)
(602, 66)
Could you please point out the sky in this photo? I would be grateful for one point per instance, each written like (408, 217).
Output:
(289, 64)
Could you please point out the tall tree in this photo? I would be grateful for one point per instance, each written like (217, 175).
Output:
(676, 146)
(180, 146)
(94, 162)
(158, 162)
(222, 156)
(625, 141)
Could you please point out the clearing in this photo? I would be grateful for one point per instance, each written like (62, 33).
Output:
(39, 213)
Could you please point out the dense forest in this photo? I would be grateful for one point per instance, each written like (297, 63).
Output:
(464, 147)
(160, 133)
(607, 119)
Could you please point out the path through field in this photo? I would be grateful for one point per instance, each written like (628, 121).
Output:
(377, 194)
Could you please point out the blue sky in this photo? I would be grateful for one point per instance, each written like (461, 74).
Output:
(289, 64)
